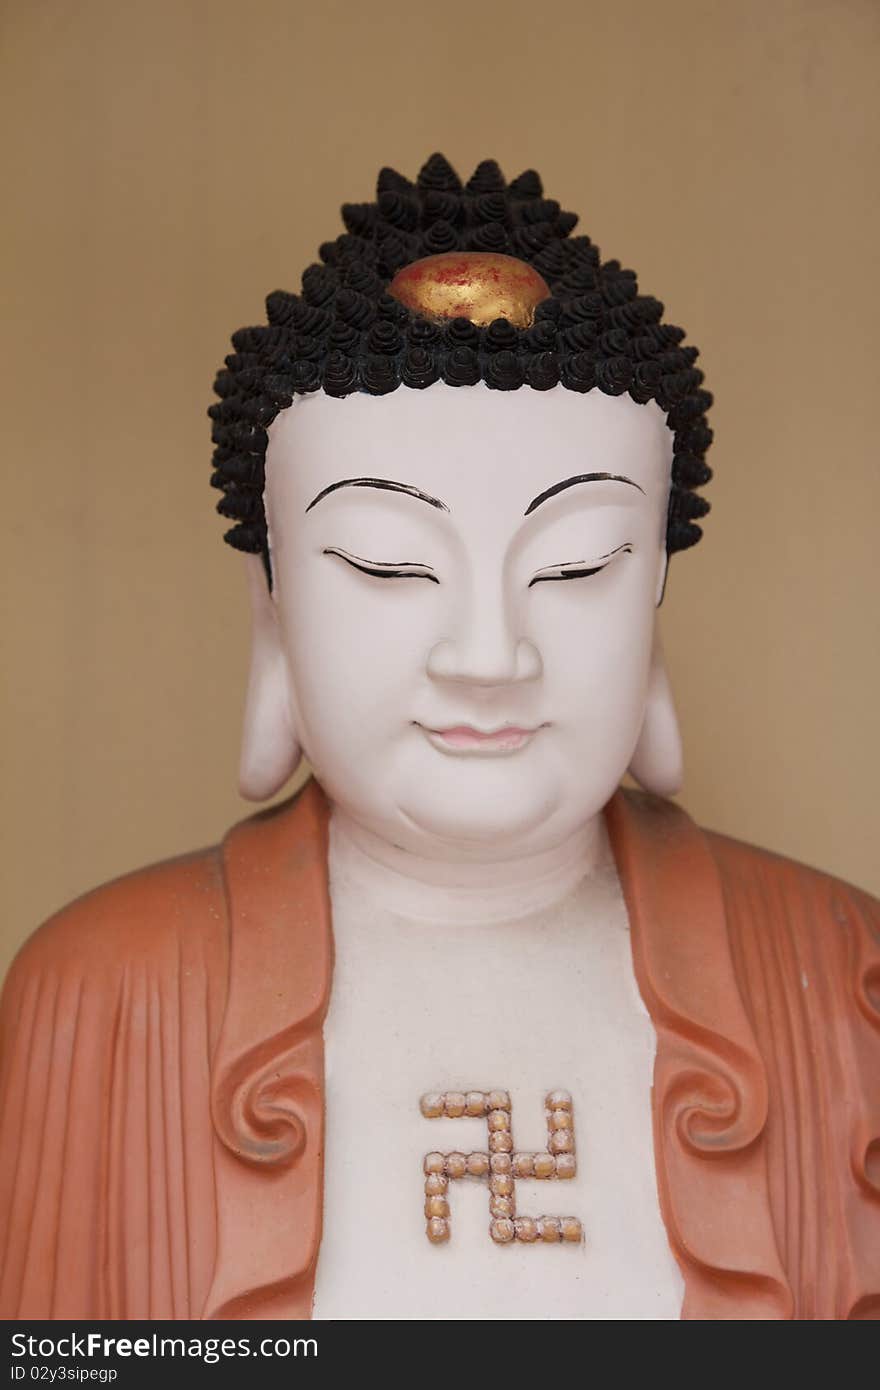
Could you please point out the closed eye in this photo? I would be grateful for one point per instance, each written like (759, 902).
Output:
(399, 569)
(579, 569)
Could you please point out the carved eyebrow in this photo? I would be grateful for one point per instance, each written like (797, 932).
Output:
(579, 478)
(380, 483)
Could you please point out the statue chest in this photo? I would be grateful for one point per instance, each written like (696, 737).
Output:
(442, 1046)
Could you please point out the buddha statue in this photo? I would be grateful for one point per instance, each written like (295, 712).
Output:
(464, 1028)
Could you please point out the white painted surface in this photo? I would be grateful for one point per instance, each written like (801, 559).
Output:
(542, 1001)
(463, 557)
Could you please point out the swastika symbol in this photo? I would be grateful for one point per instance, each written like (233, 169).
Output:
(501, 1166)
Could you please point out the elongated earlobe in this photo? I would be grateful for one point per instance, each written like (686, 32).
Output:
(657, 763)
(270, 750)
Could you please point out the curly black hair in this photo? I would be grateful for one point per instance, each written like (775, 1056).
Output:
(345, 333)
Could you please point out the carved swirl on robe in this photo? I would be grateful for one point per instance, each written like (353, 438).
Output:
(262, 1103)
(715, 1111)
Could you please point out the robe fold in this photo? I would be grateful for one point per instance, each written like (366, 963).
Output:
(161, 1078)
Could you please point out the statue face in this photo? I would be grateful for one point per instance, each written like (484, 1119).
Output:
(477, 562)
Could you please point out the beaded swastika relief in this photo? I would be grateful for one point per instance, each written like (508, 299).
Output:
(501, 1166)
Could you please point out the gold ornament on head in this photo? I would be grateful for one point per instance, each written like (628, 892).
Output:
(476, 285)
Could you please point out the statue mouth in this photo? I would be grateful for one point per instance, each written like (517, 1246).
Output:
(466, 739)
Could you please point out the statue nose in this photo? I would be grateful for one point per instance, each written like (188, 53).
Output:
(478, 659)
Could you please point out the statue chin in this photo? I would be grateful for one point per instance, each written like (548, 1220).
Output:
(483, 820)
(493, 829)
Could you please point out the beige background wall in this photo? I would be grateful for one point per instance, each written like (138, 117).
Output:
(165, 165)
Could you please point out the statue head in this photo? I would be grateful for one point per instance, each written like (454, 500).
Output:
(459, 462)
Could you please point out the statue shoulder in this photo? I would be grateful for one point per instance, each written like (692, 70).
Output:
(806, 946)
(177, 908)
(138, 917)
(746, 868)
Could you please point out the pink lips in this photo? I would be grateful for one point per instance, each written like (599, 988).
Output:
(463, 738)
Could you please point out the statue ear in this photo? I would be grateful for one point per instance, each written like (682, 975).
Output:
(657, 763)
(270, 750)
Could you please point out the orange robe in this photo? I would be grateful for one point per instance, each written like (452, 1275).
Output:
(161, 1067)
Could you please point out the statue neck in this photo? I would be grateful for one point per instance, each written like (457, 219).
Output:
(461, 892)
